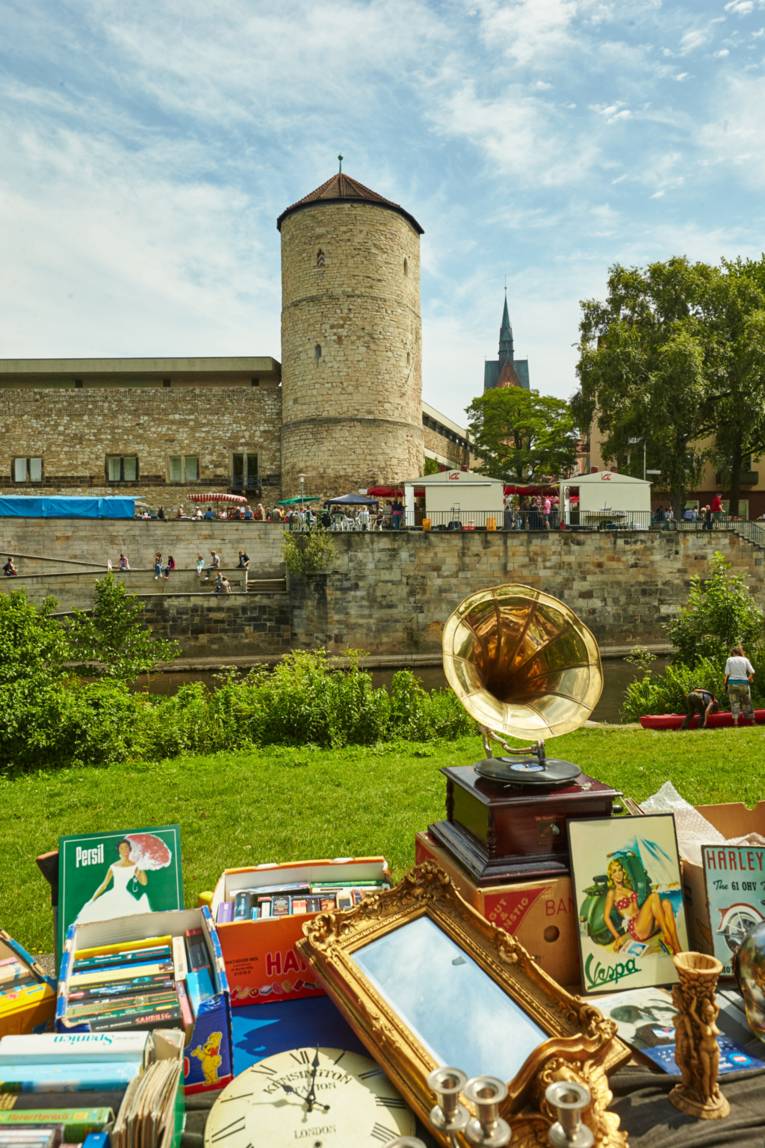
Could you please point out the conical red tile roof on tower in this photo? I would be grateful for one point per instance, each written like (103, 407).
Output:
(342, 188)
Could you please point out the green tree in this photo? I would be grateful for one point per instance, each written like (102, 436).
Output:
(720, 613)
(642, 369)
(675, 357)
(33, 644)
(522, 436)
(737, 369)
(114, 636)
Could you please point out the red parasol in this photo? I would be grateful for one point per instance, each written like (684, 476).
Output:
(385, 491)
(148, 851)
(218, 496)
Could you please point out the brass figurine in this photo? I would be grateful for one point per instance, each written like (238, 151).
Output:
(696, 1049)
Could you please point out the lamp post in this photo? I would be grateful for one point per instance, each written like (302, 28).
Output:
(301, 480)
(634, 442)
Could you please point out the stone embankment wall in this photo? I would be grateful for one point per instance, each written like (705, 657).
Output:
(393, 592)
(386, 593)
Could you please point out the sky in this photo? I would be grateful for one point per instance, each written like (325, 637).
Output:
(146, 149)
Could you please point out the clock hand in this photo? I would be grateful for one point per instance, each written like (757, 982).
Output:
(302, 1096)
(311, 1098)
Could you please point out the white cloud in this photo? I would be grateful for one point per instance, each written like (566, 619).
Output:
(740, 7)
(736, 137)
(657, 195)
(518, 134)
(693, 40)
(681, 77)
(721, 55)
(527, 31)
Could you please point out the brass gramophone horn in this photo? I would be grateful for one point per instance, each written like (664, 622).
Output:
(523, 665)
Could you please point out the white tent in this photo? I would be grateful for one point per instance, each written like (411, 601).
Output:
(606, 495)
(457, 494)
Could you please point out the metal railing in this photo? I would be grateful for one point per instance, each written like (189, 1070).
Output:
(459, 520)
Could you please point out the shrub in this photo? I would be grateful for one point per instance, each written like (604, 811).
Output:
(308, 552)
(666, 692)
(113, 637)
(720, 613)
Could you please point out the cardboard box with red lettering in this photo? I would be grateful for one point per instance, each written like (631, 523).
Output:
(262, 962)
(540, 913)
(733, 820)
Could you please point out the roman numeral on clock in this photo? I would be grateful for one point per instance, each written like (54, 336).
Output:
(390, 1102)
(370, 1074)
(264, 1070)
(232, 1129)
(302, 1056)
(382, 1134)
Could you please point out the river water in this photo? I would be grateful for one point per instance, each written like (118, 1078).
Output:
(617, 674)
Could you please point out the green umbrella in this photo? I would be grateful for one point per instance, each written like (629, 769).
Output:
(298, 499)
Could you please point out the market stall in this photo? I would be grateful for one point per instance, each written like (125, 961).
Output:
(456, 496)
(606, 498)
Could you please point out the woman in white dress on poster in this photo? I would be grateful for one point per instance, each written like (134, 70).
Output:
(125, 896)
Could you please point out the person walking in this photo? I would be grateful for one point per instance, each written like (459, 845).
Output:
(699, 701)
(739, 672)
(716, 506)
(708, 518)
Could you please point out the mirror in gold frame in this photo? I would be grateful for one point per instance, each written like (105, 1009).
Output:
(425, 981)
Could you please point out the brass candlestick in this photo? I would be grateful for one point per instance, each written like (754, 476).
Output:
(696, 1050)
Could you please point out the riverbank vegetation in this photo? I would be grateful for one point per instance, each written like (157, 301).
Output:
(283, 803)
(720, 613)
(51, 715)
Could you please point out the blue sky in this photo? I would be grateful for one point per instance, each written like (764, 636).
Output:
(147, 148)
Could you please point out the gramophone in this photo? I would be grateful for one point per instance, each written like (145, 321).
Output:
(524, 666)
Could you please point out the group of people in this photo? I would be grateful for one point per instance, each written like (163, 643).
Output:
(739, 673)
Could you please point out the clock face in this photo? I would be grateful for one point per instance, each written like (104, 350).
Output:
(312, 1097)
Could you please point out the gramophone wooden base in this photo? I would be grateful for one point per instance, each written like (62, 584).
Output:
(486, 870)
(506, 833)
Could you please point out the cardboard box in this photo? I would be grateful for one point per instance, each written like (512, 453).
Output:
(28, 1008)
(732, 820)
(211, 1035)
(540, 913)
(262, 962)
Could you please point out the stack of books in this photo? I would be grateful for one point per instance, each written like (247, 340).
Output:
(263, 902)
(69, 1089)
(153, 983)
(26, 994)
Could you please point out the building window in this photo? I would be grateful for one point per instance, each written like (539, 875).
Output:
(27, 470)
(121, 468)
(406, 266)
(244, 471)
(317, 353)
(183, 468)
(320, 259)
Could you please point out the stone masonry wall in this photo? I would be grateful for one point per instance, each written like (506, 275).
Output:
(73, 430)
(351, 347)
(392, 592)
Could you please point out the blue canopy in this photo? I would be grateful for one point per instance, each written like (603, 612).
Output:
(351, 499)
(55, 506)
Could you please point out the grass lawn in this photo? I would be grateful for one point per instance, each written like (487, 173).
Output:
(281, 804)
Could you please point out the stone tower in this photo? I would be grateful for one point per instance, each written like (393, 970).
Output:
(351, 340)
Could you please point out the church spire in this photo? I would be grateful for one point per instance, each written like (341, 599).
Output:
(506, 335)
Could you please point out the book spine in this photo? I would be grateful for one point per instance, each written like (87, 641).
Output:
(124, 946)
(199, 988)
(187, 1015)
(120, 989)
(124, 957)
(77, 1046)
(243, 906)
(130, 972)
(196, 950)
(117, 1004)
(180, 964)
(164, 1018)
(225, 912)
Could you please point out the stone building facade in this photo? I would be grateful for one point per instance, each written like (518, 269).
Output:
(344, 408)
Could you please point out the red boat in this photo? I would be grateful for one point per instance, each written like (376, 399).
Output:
(715, 721)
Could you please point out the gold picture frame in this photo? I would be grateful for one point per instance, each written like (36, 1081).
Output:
(412, 1017)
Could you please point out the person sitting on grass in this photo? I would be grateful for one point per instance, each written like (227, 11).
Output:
(699, 701)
